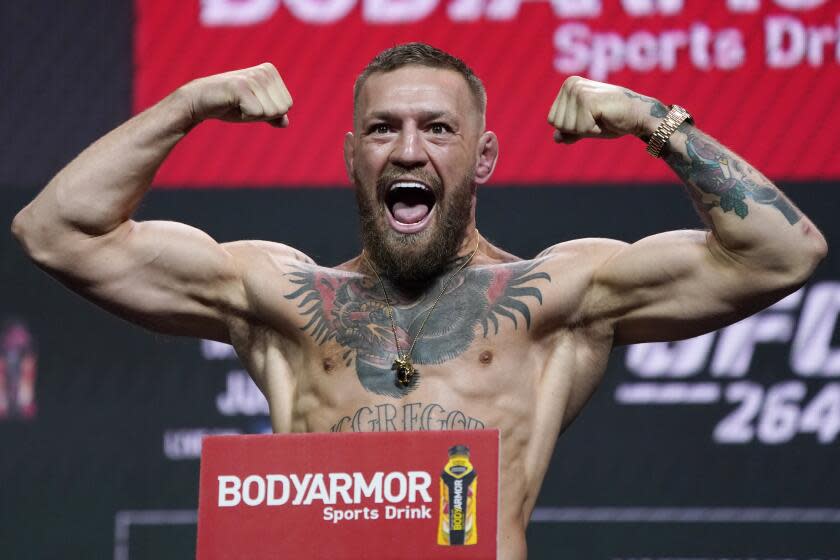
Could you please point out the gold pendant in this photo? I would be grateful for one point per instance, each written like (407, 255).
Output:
(405, 371)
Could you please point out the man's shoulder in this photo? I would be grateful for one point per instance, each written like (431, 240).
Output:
(589, 248)
(573, 267)
(255, 252)
(266, 267)
(569, 264)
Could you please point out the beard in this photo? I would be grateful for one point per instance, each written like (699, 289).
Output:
(414, 258)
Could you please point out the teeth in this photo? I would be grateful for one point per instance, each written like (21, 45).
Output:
(408, 185)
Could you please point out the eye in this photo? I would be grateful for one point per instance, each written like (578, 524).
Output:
(439, 128)
(379, 128)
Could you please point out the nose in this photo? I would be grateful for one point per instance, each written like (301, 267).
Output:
(408, 150)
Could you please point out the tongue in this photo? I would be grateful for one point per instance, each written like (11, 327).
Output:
(409, 213)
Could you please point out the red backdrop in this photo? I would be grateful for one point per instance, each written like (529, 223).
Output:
(760, 75)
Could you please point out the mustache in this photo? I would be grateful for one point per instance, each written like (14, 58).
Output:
(393, 174)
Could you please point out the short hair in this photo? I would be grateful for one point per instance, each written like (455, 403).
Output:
(420, 54)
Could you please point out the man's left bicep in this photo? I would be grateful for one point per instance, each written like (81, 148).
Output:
(675, 285)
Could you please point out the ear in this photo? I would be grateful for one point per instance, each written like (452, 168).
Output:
(488, 154)
(349, 150)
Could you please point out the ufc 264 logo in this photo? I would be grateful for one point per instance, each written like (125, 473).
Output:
(804, 324)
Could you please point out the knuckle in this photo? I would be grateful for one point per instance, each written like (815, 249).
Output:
(261, 76)
(239, 86)
(253, 82)
(240, 81)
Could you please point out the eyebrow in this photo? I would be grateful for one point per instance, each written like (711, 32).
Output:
(422, 115)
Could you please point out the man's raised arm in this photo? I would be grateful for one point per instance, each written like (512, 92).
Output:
(679, 284)
(166, 276)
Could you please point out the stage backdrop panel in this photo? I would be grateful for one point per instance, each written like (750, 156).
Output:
(759, 74)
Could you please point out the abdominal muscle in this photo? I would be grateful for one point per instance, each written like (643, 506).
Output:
(513, 394)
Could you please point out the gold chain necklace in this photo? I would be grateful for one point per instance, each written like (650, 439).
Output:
(402, 364)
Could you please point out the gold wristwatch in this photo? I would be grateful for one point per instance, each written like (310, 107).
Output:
(675, 117)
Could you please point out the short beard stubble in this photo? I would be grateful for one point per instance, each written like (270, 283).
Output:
(409, 259)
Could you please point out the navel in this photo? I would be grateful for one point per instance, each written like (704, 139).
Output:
(329, 365)
(485, 357)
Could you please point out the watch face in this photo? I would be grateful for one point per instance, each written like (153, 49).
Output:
(683, 114)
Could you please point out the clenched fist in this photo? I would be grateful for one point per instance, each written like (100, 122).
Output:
(251, 94)
(588, 109)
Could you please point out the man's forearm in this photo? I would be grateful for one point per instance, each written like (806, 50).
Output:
(748, 215)
(719, 178)
(102, 187)
(100, 190)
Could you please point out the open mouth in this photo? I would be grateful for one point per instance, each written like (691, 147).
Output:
(410, 205)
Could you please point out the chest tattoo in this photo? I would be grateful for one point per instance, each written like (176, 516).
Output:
(406, 417)
(350, 310)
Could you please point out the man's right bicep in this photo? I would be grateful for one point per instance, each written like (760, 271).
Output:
(166, 276)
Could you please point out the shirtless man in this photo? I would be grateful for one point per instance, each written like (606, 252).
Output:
(514, 344)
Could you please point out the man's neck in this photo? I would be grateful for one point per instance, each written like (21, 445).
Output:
(408, 291)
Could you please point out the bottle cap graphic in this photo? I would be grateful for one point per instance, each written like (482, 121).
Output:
(459, 450)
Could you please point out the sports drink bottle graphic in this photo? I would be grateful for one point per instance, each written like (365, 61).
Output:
(458, 489)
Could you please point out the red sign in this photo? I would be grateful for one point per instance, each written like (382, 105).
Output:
(763, 76)
(416, 495)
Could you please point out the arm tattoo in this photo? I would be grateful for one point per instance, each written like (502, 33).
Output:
(712, 169)
(350, 310)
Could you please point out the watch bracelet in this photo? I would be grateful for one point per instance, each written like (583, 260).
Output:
(675, 117)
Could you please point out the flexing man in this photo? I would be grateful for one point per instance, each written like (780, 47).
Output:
(430, 327)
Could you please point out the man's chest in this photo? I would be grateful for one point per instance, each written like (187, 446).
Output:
(459, 326)
(485, 386)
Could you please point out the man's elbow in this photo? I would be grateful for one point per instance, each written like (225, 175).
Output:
(809, 255)
(821, 248)
(20, 229)
(17, 226)
(32, 237)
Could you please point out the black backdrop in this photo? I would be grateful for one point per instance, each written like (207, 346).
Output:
(697, 449)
